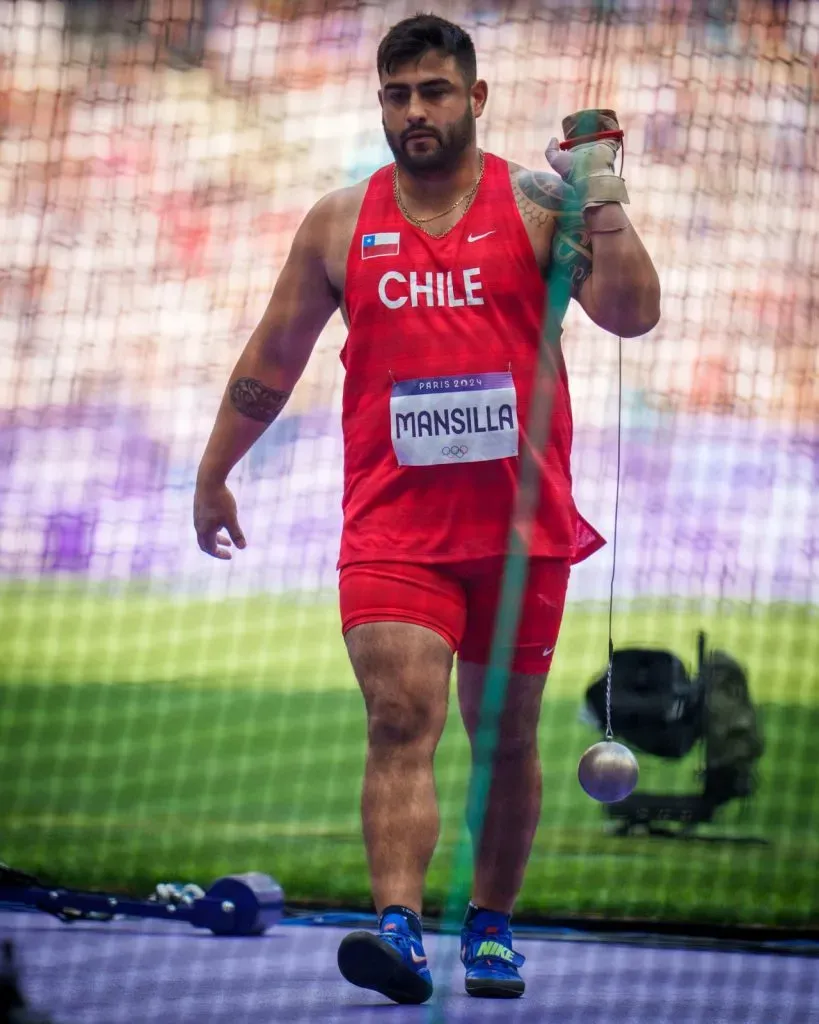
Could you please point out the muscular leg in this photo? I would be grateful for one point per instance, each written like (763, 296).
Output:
(403, 671)
(513, 809)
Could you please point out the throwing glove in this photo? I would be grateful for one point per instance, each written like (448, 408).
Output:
(589, 166)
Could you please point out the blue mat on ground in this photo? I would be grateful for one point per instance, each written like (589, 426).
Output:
(141, 972)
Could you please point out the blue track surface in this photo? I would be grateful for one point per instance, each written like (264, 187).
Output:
(142, 972)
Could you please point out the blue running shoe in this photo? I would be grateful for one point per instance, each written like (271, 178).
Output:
(491, 963)
(393, 962)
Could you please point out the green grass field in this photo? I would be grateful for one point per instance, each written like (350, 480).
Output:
(145, 739)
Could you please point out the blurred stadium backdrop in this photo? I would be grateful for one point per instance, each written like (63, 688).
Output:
(165, 716)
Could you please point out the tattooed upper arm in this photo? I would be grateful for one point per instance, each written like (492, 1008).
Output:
(543, 198)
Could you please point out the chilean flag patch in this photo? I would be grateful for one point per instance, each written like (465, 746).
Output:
(382, 243)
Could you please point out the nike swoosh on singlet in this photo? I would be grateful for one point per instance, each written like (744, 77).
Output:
(477, 238)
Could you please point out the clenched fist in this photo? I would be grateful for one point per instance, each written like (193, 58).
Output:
(589, 166)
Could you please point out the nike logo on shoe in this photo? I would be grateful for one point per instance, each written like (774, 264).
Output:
(477, 238)
(495, 949)
(417, 959)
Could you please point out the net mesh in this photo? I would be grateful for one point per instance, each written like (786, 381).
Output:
(165, 716)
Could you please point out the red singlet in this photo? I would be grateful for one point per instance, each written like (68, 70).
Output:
(440, 359)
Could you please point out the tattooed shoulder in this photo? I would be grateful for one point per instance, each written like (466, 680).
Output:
(542, 198)
(540, 195)
(255, 400)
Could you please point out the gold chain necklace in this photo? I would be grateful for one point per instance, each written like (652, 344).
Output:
(419, 221)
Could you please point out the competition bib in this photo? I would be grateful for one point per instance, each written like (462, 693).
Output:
(440, 420)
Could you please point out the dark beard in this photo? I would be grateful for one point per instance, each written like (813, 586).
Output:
(444, 156)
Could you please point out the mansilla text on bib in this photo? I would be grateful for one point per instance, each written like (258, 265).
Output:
(441, 420)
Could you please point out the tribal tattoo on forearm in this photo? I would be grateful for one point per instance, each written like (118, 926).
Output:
(255, 400)
(541, 197)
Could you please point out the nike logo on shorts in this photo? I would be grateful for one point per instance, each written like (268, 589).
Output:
(477, 238)
(548, 650)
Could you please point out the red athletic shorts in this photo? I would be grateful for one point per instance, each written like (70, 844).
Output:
(459, 601)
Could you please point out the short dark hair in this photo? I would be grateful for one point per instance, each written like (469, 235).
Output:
(412, 38)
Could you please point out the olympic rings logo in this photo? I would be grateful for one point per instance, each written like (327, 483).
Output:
(455, 451)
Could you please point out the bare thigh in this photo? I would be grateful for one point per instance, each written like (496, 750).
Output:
(403, 671)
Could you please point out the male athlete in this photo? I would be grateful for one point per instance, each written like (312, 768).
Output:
(440, 265)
